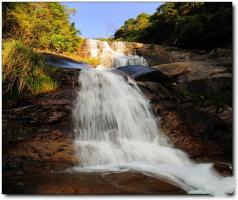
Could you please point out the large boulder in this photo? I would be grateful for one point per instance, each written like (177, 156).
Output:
(200, 80)
(143, 73)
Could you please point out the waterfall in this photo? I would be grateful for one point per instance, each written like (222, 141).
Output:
(113, 56)
(116, 131)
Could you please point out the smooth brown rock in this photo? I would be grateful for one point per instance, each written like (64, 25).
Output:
(88, 183)
(195, 107)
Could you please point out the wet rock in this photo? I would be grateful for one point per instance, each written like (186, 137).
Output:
(194, 104)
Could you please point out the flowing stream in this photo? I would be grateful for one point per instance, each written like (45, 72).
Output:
(113, 55)
(116, 131)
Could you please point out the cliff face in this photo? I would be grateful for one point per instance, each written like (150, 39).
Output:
(157, 54)
(154, 54)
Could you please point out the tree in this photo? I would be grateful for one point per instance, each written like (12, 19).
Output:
(132, 30)
(187, 25)
(41, 25)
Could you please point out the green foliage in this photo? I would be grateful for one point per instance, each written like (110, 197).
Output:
(133, 29)
(187, 25)
(27, 27)
(24, 72)
(41, 25)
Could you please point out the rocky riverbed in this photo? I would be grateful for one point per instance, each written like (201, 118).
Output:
(193, 103)
(38, 148)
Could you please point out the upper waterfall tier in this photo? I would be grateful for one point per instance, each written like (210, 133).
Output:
(113, 54)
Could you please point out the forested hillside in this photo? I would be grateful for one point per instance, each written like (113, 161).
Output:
(40, 25)
(186, 25)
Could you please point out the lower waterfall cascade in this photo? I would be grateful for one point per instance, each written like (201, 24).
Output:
(116, 131)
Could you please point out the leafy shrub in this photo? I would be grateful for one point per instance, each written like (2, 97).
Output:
(42, 25)
(24, 72)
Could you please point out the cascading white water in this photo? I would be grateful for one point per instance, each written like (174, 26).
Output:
(113, 57)
(116, 131)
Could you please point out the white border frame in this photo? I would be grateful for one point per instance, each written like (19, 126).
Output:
(235, 121)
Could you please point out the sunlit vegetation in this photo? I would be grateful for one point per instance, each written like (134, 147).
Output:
(24, 72)
(105, 39)
(134, 29)
(90, 60)
(186, 25)
(41, 25)
(28, 28)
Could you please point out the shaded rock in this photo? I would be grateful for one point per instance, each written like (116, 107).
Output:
(143, 73)
(39, 136)
(61, 97)
(223, 169)
(203, 138)
(46, 111)
(201, 81)
(88, 183)
(194, 104)
(50, 150)
(66, 77)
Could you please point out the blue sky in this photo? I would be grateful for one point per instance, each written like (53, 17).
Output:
(102, 19)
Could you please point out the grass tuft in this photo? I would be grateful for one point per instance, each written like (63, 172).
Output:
(89, 60)
(24, 71)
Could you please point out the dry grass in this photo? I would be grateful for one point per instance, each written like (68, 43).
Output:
(89, 60)
(24, 71)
